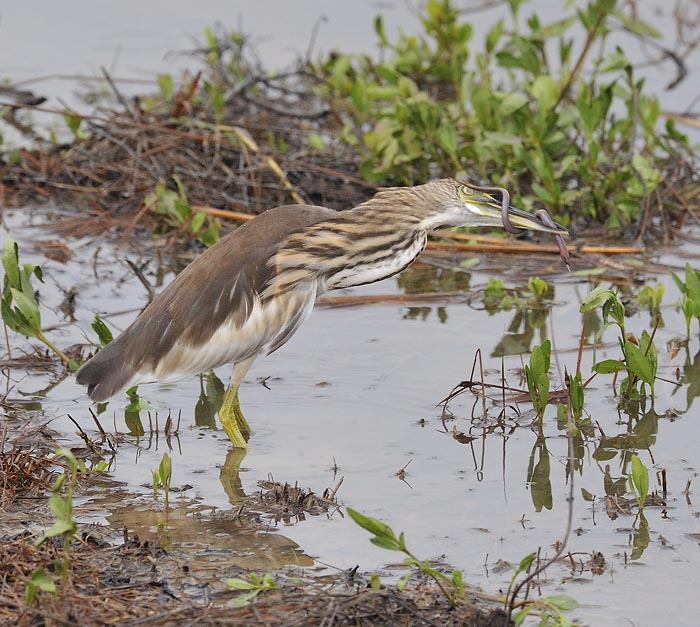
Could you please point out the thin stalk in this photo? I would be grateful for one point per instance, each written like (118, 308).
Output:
(582, 57)
(42, 338)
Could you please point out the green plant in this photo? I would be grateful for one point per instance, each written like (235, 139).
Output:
(651, 296)
(534, 104)
(174, 206)
(19, 307)
(253, 586)
(639, 357)
(537, 376)
(638, 480)
(690, 295)
(162, 477)
(452, 587)
(550, 608)
(62, 506)
(73, 122)
(40, 581)
(104, 333)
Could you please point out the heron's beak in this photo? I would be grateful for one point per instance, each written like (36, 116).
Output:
(490, 207)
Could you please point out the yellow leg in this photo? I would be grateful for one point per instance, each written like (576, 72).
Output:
(232, 419)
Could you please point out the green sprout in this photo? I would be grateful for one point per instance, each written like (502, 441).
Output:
(452, 587)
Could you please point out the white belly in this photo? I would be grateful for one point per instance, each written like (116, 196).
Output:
(371, 272)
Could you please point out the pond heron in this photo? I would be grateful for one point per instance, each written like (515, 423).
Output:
(249, 293)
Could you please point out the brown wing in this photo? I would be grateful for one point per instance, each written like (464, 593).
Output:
(217, 289)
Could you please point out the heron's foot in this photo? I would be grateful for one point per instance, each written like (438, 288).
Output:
(233, 421)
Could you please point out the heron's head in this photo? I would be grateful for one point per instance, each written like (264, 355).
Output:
(448, 202)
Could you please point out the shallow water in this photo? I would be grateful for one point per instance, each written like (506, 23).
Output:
(358, 387)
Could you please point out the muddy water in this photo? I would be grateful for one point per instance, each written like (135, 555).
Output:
(357, 388)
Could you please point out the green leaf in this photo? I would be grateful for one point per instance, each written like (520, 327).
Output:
(546, 91)
(636, 25)
(692, 283)
(608, 366)
(165, 84)
(587, 496)
(386, 542)
(245, 598)
(638, 363)
(525, 563)
(10, 262)
(198, 220)
(379, 30)
(29, 310)
(104, 334)
(377, 527)
(402, 582)
(59, 528)
(596, 298)
(317, 142)
(240, 584)
(520, 616)
(165, 470)
(616, 60)
(71, 462)
(58, 505)
(511, 103)
(639, 479)
(561, 602)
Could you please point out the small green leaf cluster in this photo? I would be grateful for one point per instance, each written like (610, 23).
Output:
(383, 536)
(253, 586)
(174, 205)
(550, 609)
(434, 105)
(690, 295)
(19, 306)
(537, 376)
(639, 357)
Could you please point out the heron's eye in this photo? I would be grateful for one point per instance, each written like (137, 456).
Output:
(466, 192)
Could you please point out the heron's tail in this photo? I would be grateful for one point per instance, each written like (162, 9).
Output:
(108, 372)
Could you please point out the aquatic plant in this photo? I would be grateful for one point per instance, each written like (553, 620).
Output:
(537, 376)
(690, 294)
(19, 307)
(547, 125)
(383, 536)
(639, 356)
(638, 479)
(162, 477)
(173, 205)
